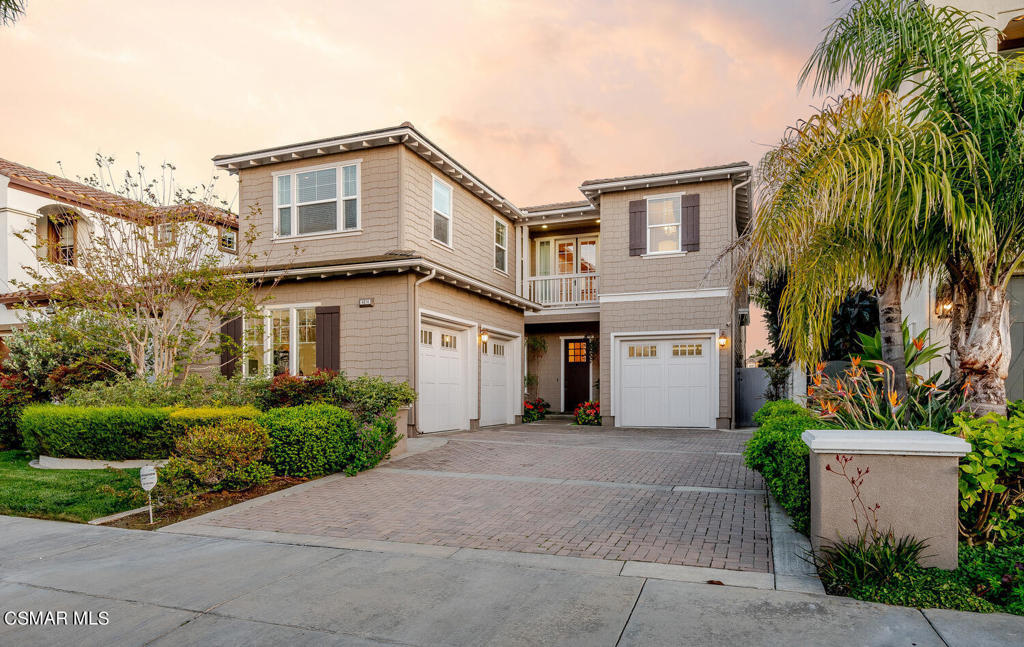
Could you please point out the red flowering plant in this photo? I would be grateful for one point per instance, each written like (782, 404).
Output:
(534, 410)
(588, 413)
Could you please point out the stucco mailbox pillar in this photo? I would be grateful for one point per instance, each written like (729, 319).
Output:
(911, 475)
(402, 429)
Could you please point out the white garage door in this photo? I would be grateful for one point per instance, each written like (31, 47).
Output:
(495, 396)
(442, 380)
(665, 383)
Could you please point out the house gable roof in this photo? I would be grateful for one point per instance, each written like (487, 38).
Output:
(405, 134)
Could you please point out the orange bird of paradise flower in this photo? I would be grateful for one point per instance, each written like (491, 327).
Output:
(893, 399)
(855, 361)
(918, 344)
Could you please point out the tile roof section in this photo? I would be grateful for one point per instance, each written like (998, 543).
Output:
(89, 197)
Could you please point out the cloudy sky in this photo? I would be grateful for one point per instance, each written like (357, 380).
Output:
(532, 96)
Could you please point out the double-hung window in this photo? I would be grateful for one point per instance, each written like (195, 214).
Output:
(664, 216)
(500, 245)
(317, 201)
(442, 206)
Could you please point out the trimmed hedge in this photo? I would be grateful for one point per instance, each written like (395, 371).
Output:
(109, 433)
(777, 452)
(181, 421)
(310, 440)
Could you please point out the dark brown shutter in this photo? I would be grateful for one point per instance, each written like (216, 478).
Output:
(328, 338)
(637, 227)
(691, 223)
(231, 340)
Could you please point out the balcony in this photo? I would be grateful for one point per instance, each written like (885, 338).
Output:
(565, 290)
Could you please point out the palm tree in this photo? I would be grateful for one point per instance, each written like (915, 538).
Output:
(847, 200)
(941, 58)
(11, 10)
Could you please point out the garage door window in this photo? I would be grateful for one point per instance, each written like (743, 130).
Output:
(448, 341)
(642, 350)
(499, 350)
(427, 337)
(687, 350)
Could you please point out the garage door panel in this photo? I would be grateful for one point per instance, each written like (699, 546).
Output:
(442, 381)
(665, 383)
(495, 384)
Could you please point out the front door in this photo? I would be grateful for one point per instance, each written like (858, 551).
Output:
(577, 373)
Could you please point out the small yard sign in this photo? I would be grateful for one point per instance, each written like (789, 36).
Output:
(147, 477)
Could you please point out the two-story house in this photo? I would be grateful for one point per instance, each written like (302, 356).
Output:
(395, 260)
(46, 216)
(635, 311)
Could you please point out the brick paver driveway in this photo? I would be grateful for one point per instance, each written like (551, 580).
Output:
(667, 496)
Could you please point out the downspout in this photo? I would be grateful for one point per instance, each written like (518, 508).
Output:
(414, 356)
(733, 233)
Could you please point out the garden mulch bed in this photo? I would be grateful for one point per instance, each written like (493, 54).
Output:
(205, 503)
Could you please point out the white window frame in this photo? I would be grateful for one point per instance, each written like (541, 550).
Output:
(339, 199)
(679, 225)
(504, 250)
(434, 212)
(221, 231)
(161, 240)
(552, 254)
(268, 342)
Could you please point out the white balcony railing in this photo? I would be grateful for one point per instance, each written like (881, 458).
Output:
(564, 289)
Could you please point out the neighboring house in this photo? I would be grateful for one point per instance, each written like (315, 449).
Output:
(395, 260)
(59, 218)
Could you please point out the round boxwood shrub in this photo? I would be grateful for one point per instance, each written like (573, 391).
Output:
(310, 440)
(107, 433)
(778, 408)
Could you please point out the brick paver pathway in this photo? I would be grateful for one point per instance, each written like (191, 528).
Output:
(673, 497)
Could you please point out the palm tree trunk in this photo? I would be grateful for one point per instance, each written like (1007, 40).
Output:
(983, 358)
(890, 319)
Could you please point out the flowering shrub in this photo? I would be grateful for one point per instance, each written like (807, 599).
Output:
(534, 410)
(588, 413)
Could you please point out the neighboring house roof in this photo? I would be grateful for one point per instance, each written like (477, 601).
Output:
(405, 134)
(82, 195)
(649, 177)
(24, 296)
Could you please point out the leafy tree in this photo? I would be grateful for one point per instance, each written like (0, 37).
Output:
(941, 58)
(11, 10)
(153, 274)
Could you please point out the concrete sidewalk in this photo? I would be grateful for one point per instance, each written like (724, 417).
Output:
(169, 589)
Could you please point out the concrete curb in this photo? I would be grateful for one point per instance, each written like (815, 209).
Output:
(119, 515)
(789, 548)
(51, 463)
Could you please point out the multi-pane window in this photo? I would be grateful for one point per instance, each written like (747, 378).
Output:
(282, 341)
(577, 352)
(228, 240)
(427, 337)
(442, 206)
(165, 233)
(448, 341)
(500, 245)
(643, 350)
(663, 224)
(318, 201)
(62, 242)
(687, 350)
(498, 350)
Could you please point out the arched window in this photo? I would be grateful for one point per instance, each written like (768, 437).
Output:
(61, 233)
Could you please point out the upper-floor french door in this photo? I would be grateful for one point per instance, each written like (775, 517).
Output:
(572, 262)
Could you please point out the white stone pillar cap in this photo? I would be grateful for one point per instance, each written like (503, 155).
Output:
(879, 441)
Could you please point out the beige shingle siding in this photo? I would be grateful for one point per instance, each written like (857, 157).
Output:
(472, 228)
(375, 340)
(621, 272)
(665, 315)
(379, 208)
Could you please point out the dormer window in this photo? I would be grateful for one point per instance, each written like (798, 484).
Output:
(317, 201)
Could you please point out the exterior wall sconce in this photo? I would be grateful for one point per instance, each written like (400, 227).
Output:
(723, 341)
(483, 336)
(943, 309)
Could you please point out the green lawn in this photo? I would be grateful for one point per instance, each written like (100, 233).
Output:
(68, 495)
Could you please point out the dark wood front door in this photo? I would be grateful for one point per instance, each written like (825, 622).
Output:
(577, 373)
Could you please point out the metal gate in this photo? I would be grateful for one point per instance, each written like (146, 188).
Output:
(751, 384)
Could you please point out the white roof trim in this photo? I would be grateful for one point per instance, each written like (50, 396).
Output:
(401, 135)
(679, 178)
